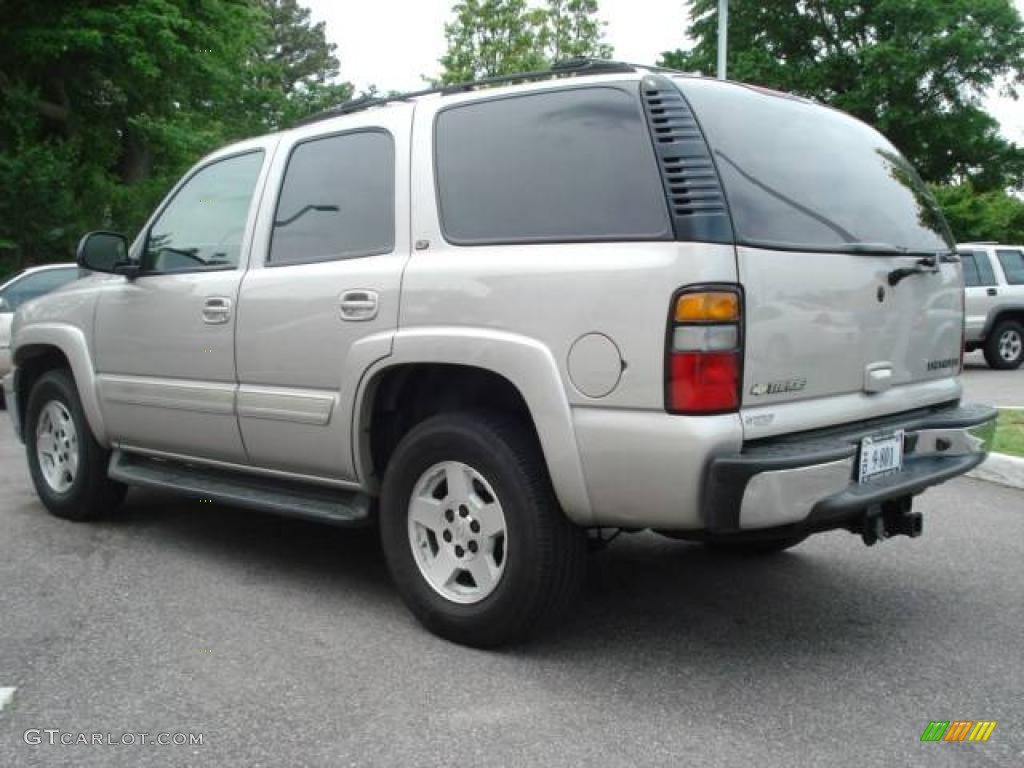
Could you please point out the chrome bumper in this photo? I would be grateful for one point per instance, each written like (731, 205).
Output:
(809, 481)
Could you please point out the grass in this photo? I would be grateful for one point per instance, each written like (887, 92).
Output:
(1010, 433)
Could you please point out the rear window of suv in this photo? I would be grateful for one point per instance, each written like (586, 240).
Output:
(555, 166)
(805, 177)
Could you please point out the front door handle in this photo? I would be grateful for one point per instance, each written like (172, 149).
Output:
(359, 305)
(217, 310)
(992, 292)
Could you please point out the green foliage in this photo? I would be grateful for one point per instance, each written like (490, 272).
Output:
(491, 37)
(915, 69)
(573, 31)
(993, 215)
(487, 38)
(1010, 433)
(104, 104)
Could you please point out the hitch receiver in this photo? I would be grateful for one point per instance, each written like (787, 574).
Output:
(891, 518)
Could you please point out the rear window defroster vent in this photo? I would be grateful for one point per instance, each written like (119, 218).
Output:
(694, 192)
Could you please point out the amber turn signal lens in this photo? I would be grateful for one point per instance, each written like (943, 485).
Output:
(707, 307)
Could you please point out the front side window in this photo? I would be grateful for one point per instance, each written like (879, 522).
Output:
(567, 165)
(1013, 266)
(36, 284)
(800, 176)
(337, 200)
(203, 226)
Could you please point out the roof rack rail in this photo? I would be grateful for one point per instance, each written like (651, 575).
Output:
(563, 68)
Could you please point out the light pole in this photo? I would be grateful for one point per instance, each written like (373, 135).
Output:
(723, 35)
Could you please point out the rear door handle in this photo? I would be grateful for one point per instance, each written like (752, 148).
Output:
(992, 292)
(216, 310)
(359, 305)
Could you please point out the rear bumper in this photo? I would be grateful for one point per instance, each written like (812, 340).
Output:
(808, 482)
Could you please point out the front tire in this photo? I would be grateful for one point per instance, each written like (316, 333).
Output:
(1004, 348)
(68, 466)
(475, 540)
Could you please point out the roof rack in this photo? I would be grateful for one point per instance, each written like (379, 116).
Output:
(564, 68)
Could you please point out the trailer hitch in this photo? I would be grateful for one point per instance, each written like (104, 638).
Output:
(888, 519)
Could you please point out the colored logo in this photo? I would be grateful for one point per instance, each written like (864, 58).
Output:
(958, 730)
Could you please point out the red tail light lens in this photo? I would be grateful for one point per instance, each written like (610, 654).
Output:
(703, 382)
(704, 355)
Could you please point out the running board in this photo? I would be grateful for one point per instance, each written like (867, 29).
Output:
(283, 497)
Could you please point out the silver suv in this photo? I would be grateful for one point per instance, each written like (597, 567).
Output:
(495, 316)
(994, 301)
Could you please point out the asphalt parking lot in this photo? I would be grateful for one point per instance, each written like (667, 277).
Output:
(283, 644)
(985, 385)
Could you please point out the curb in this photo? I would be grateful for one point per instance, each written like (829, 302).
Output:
(1001, 469)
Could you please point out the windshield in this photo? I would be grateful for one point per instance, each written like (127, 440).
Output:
(801, 176)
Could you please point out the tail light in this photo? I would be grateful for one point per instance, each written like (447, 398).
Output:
(704, 351)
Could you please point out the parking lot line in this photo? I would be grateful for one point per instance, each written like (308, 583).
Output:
(6, 696)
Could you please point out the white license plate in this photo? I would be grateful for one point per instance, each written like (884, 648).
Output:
(880, 455)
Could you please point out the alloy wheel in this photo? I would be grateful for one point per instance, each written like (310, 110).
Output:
(457, 532)
(57, 446)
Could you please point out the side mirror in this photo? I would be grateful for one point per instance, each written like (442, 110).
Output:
(5, 306)
(103, 252)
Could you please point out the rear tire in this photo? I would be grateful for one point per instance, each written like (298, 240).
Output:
(1004, 347)
(68, 466)
(475, 540)
(754, 547)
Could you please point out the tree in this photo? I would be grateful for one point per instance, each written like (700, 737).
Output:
(973, 216)
(499, 37)
(492, 37)
(915, 69)
(296, 68)
(100, 98)
(104, 103)
(573, 31)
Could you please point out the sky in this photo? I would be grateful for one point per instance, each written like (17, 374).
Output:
(394, 43)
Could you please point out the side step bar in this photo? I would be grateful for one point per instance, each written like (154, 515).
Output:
(337, 506)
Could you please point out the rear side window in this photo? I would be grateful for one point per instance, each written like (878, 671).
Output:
(1013, 266)
(977, 268)
(804, 177)
(337, 200)
(970, 268)
(558, 166)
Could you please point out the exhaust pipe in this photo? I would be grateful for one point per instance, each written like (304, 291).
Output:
(892, 518)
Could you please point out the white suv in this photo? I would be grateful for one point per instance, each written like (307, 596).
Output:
(994, 300)
(495, 315)
(28, 284)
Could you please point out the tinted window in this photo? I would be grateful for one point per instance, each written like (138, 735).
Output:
(803, 176)
(36, 284)
(1013, 266)
(558, 166)
(970, 268)
(203, 225)
(986, 275)
(337, 200)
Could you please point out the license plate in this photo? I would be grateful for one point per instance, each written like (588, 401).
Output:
(880, 455)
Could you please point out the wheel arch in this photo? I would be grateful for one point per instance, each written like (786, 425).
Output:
(1013, 312)
(457, 367)
(43, 347)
